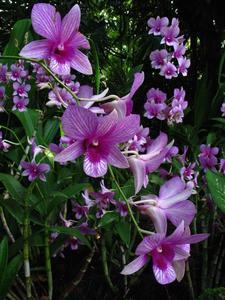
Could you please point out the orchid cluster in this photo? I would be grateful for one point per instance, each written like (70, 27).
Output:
(103, 134)
(170, 62)
(172, 111)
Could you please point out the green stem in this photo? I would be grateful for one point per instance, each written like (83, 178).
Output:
(126, 200)
(48, 265)
(26, 236)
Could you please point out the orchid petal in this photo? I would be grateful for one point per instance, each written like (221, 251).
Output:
(166, 275)
(117, 159)
(95, 169)
(107, 123)
(135, 265)
(184, 210)
(60, 68)
(138, 80)
(158, 217)
(81, 63)
(137, 167)
(36, 49)
(79, 122)
(70, 153)
(70, 23)
(157, 145)
(79, 40)
(149, 243)
(46, 21)
(171, 187)
(172, 200)
(179, 267)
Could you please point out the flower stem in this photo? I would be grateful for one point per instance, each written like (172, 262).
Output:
(126, 200)
(5, 225)
(48, 265)
(26, 235)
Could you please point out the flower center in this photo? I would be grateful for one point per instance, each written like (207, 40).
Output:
(159, 249)
(60, 47)
(95, 143)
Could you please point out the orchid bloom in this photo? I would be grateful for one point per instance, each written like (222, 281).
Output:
(168, 254)
(34, 170)
(61, 42)
(144, 164)
(97, 138)
(124, 105)
(171, 204)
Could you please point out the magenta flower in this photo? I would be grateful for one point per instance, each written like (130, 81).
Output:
(171, 153)
(170, 34)
(121, 208)
(20, 104)
(188, 173)
(179, 50)
(168, 70)
(62, 40)
(158, 58)
(59, 96)
(97, 138)
(207, 157)
(34, 170)
(184, 64)
(103, 198)
(156, 95)
(176, 115)
(21, 89)
(171, 204)
(124, 105)
(139, 141)
(168, 254)
(144, 164)
(222, 109)
(222, 166)
(156, 25)
(17, 73)
(155, 110)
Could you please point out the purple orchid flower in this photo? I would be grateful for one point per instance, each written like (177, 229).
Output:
(103, 198)
(62, 40)
(171, 153)
(17, 73)
(168, 70)
(4, 146)
(144, 164)
(124, 105)
(97, 138)
(59, 96)
(168, 254)
(176, 114)
(21, 89)
(121, 208)
(207, 157)
(156, 95)
(170, 34)
(86, 230)
(184, 64)
(155, 110)
(179, 50)
(139, 142)
(34, 170)
(171, 204)
(20, 104)
(222, 166)
(158, 58)
(156, 25)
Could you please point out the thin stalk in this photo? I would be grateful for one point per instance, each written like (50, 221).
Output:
(126, 200)
(219, 269)
(48, 265)
(5, 225)
(190, 284)
(105, 267)
(26, 236)
(74, 283)
(215, 262)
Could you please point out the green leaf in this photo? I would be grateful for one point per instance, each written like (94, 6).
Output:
(50, 130)
(14, 209)
(72, 232)
(74, 189)
(216, 183)
(13, 186)
(108, 217)
(18, 38)
(10, 274)
(3, 258)
(96, 65)
(123, 229)
(29, 120)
